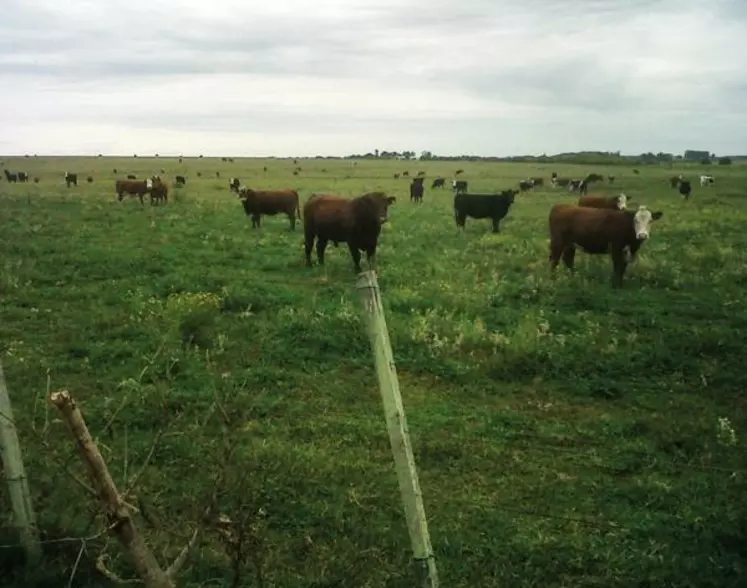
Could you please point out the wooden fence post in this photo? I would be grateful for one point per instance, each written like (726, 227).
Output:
(399, 437)
(20, 498)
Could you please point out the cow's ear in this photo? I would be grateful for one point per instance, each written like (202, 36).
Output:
(657, 215)
(391, 200)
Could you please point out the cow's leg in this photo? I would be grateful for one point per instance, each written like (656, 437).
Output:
(618, 267)
(460, 219)
(255, 221)
(292, 218)
(321, 245)
(308, 246)
(356, 255)
(569, 255)
(496, 227)
(556, 251)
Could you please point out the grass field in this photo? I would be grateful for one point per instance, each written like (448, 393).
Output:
(566, 434)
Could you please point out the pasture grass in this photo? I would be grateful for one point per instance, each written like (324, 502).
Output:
(566, 434)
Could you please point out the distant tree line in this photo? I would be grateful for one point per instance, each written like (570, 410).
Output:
(579, 157)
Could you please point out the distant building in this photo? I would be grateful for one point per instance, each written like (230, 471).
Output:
(693, 155)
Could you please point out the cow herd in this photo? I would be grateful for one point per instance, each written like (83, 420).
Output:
(596, 224)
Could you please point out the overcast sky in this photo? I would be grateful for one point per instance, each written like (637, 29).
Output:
(308, 77)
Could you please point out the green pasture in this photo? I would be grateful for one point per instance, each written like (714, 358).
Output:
(566, 433)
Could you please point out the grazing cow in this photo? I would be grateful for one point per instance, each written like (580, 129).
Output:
(598, 231)
(199, 174)
(71, 179)
(295, 172)
(217, 174)
(270, 202)
(685, 188)
(619, 202)
(458, 172)
(611, 179)
(405, 174)
(421, 174)
(134, 188)
(674, 181)
(36, 180)
(459, 186)
(89, 179)
(594, 178)
(159, 192)
(23, 177)
(355, 221)
(234, 184)
(538, 181)
(264, 169)
(416, 190)
(396, 176)
(180, 180)
(479, 206)
(438, 183)
(574, 185)
(114, 171)
(526, 185)
(11, 177)
(707, 180)
(131, 177)
(636, 172)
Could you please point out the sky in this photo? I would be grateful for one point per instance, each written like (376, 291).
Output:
(335, 77)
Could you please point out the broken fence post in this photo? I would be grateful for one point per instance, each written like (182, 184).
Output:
(399, 437)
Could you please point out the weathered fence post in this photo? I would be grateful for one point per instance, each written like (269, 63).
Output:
(397, 425)
(20, 498)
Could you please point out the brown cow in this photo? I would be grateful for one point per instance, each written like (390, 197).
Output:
(355, 221)
(270, 202)
(159, 192)
(134, 188)
(598, 231)
(619, 202)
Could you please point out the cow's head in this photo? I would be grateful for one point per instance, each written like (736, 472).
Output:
(149, 184)
(642, 222)
(66, 174)
(380, 203)
(510, 195)
(622, 201)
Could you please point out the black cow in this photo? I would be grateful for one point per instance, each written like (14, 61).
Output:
(685, 188)
(234, 184)
(89, 179)
(611, 179)
(478, 206)
(459, 171)
(459, 186)
(574, 185)
(416, 190)
(438, 183)
(180, 180)
(23, 177)
(71, 179)
(11, 177)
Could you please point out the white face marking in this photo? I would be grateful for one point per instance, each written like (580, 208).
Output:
(149, 183)
(642, 222)
(66, 175)
(622, 201)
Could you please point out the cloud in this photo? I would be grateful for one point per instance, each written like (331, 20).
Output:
(338, 76)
